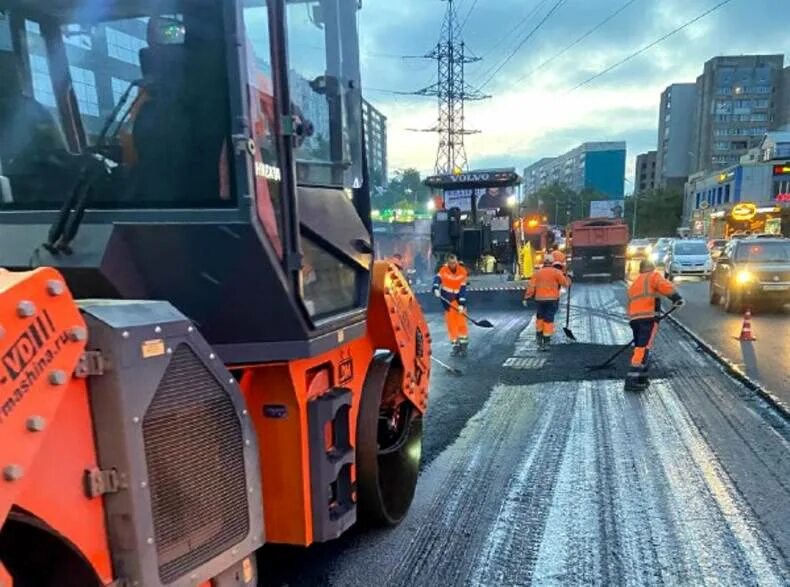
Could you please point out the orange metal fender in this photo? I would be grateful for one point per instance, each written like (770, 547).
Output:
(46, 432)
(277, 396)
(396, 323)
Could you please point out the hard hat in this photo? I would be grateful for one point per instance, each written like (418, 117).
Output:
(646, 265)
(547, 262)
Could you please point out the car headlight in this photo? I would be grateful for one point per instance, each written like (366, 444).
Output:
(743, 277)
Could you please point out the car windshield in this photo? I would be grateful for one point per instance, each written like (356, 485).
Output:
(695, 248)
(764, 253)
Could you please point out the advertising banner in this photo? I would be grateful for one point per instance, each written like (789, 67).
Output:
(487, 198)
(607, 208)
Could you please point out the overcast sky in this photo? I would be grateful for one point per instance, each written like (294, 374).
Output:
(532, 114)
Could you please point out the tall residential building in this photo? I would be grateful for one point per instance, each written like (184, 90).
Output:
(376, 143)
(738, 101)
(783, 116)
(594, 166)
(646, 179)
(675, 121)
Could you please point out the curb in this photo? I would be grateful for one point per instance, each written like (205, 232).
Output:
(734, 371)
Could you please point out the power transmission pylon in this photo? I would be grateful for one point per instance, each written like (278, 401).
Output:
(452, 91)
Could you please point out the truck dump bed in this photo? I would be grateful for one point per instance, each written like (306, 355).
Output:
(598, 247)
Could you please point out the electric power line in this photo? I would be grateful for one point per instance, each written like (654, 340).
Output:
(515, 27)
(523, 42)
(597, 27)
(466, 18)
(648, 46)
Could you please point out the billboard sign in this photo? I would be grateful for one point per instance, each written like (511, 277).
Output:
(491, 198)
(607, 208)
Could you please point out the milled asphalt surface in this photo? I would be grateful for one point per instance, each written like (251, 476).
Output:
(574, 481)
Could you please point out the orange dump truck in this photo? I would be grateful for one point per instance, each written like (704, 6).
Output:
(598, 247)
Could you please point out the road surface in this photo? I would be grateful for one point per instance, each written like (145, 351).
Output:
(766, 360)
(556, 476)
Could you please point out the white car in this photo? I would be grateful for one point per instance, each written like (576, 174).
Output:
(688, 257)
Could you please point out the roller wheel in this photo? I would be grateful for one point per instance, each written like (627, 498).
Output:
(389, 443)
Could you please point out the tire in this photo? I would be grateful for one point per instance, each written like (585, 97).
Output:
(388, 462)
(732, 305)
(713, 297)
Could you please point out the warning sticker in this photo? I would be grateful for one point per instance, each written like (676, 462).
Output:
(153, 348)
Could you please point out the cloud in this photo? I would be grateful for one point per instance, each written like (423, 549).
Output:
(536, 116)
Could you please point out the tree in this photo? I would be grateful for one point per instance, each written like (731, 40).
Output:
(553, 201)
(405, 190)
(658, 212)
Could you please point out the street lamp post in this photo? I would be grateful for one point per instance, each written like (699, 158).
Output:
(635, 196)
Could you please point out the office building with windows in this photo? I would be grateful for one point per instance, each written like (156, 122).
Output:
(376, 143)
(783, 116)
(762, 177)
(738, 101)
(598, 167)
(675, 122)
(646, 177)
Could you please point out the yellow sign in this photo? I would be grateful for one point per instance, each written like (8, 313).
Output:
(743, 212)
(153, 348)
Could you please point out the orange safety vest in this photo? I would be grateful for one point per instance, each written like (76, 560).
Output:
(452, 285)
(644, 295)
(546, 283)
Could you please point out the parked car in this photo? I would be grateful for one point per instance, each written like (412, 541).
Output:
(716, 246)
(688, 257)
(752, 270)
(639, 248)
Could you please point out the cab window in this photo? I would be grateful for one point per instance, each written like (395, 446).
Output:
(116, 101)
(325, 91)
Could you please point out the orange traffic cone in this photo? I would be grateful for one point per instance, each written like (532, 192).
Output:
(746, 328)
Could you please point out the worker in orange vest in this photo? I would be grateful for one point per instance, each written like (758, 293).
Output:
(644, 307)
(545, 286)
(558, 258)
(449, 286)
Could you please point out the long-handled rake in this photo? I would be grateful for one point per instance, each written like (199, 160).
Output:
(623, 348)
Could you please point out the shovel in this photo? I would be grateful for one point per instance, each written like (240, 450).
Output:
(480, 323)
(625, 347)
(568, 332)
(447, 367)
